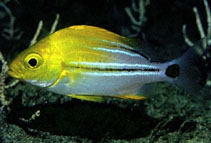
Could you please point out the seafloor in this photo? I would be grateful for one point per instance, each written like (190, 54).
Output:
(169, 115)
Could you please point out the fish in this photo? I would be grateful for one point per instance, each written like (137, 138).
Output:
(90, 63)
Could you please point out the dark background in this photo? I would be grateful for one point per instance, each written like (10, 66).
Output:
(170, 115)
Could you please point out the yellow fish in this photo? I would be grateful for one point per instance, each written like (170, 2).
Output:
(88, 63)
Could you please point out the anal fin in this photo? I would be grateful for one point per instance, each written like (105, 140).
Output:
(131, 97)
(101, 98)
(87, 97)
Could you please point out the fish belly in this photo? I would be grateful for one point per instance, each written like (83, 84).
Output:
(106, 83)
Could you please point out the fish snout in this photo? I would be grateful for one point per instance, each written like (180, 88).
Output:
(14, 72)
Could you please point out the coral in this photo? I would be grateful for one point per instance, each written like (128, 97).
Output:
(137, 23)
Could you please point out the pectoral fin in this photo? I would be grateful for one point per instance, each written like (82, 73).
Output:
(88, 98)
(131, 97)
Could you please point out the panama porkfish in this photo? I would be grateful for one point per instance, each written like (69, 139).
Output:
(88, 63)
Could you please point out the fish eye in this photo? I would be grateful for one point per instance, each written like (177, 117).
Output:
(33, 61)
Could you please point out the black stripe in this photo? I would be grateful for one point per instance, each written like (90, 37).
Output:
(135, 51)
(120, 45)
(111, 69)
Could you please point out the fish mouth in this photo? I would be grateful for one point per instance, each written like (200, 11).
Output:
(13, 74)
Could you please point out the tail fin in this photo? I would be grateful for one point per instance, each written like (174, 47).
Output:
(191, 68)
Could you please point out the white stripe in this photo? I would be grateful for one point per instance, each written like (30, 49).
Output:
(118, 44)
(142, 73)
(118, 51)
(116, 65)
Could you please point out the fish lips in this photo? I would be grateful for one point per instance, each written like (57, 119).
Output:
(13, 74)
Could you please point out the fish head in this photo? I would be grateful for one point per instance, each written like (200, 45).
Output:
(36, 65)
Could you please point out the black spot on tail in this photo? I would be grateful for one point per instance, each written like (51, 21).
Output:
(173, 70)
